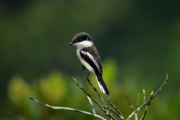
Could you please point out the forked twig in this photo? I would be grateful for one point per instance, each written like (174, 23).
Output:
(117, 110)
(89, 95)
(109, 115)
(92, 106)
(152, 96)
(136, 117)
(87, 75)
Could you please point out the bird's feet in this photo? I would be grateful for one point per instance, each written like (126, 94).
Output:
(87, 75)
(82, 67)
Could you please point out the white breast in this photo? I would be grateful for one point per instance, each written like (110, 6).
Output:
(84, 62)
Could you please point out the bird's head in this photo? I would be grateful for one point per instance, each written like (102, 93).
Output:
(82, 40)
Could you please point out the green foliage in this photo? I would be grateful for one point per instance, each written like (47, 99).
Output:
(18, 92)
(51, 88)
(111, 71)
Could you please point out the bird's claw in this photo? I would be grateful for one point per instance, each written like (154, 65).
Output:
(82, 67)
(87, 75)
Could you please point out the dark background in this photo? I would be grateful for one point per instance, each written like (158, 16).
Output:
(138, 41)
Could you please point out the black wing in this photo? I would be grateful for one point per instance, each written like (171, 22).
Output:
(92, 61)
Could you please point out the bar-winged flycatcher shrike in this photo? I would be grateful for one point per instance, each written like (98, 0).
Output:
(89, 57)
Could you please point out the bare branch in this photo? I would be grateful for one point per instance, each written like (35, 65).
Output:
(110, 112)
(118, 111)
(161, 86)
(87, 75)
(115, 112)
(94, 112)
(144, 95)
(136, 117)
(130, 103)
(137, 101)
(89, 95)
(104, 105)
(109, 115)
(66, 108)
(153, 95)
(145, 111)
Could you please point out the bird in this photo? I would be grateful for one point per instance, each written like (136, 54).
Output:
(89, 57)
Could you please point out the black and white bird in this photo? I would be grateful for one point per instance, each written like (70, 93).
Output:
(89, 57)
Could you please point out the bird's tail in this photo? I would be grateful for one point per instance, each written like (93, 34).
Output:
(102, 85)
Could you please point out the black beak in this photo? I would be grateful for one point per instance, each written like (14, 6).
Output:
(70, 43)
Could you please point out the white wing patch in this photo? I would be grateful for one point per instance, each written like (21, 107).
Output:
(94, 61)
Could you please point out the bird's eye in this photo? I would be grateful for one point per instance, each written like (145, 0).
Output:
(80, 40)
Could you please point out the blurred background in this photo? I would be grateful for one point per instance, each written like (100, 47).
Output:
(138, 41)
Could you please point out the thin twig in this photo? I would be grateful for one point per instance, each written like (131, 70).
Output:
(136, 117)
(161, 86)
(137, 100)
(94, 112)
(109, 102)
(66, 108)
(144, 95)
(87, 75)
(151, 96)
(149, 102)
(130, 103)
(93, 99)
(89, 95)
(145, 111)
(150, 99)
(139, 108)
(117, 111)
